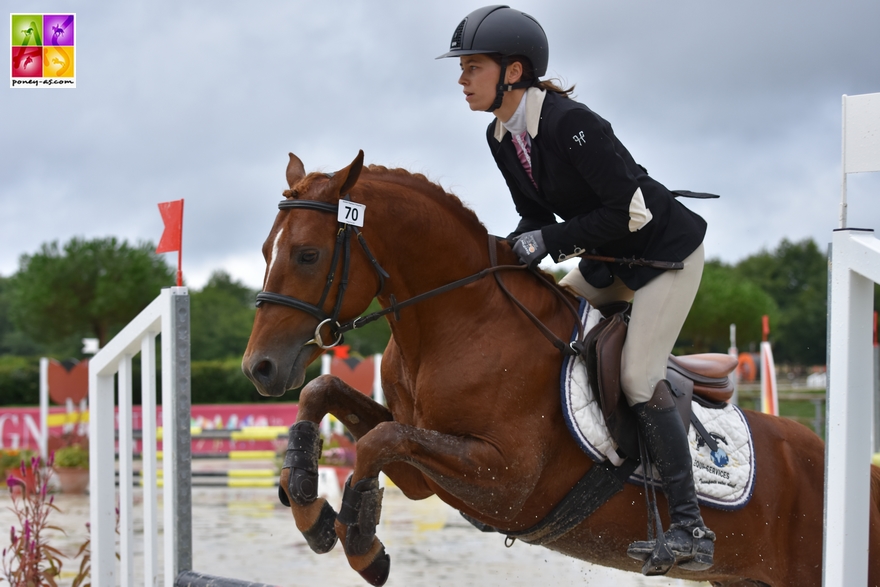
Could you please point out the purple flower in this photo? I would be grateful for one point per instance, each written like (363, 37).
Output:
(13, 481)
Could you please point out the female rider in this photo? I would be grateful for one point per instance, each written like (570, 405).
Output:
(559, 158)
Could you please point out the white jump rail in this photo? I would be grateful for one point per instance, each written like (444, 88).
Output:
(167, 314)
(854, 268)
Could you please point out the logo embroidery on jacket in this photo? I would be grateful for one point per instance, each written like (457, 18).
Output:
(580, 139)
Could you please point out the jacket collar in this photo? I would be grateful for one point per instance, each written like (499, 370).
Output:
(534, 98)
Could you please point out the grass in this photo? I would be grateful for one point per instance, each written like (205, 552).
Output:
(798, 404)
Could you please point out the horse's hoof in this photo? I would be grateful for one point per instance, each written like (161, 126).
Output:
(321, 537)
(377, 571)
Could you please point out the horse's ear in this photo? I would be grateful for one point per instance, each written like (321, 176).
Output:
(346, 178)
(295, 171)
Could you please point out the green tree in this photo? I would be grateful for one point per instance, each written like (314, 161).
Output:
(795, 275)
(222, 315)
(12, 340)
(372, 338)
(87, 288)
(724, 299)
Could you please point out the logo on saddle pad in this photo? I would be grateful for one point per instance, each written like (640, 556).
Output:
(719, 457)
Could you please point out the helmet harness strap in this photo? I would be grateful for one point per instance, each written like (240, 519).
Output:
(503, 87)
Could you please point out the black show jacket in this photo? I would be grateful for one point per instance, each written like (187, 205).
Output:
(586, 176)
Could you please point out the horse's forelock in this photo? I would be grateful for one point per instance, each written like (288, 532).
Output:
(304, 185)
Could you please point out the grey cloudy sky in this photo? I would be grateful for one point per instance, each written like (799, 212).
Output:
(203, 100)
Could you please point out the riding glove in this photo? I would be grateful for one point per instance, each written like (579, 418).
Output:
(530, 248)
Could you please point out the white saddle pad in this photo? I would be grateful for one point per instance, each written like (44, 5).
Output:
(724, 479)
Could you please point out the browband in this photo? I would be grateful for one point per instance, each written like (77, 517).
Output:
(322, 206)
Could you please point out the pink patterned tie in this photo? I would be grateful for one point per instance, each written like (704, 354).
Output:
(523, 151)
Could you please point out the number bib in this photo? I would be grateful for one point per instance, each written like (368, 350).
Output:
(351, 213)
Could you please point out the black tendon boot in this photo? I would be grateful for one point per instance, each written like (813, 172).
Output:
(688, 543)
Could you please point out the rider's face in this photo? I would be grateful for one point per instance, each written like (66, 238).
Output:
(479, 78)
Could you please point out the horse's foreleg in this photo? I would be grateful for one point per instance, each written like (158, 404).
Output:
(470, 469)
(360, 414)
(330, 395)
(298, 486)
(356, 526)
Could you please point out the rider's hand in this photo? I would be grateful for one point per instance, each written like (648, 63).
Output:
(530, 248)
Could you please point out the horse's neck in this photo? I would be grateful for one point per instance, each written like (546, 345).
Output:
(425, 246)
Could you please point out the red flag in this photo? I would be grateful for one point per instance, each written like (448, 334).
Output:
(172, 236)
(172, 216)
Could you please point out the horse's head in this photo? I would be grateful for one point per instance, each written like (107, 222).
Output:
(305, 296)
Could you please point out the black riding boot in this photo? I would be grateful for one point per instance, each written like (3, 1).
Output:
(687, 543)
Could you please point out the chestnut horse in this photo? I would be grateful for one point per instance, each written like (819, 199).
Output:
(472, 388)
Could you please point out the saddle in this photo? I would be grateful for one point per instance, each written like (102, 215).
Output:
(704, 378)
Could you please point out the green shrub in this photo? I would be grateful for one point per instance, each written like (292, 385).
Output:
(74, 456)
(213, 382)
(10, 462)
(19, 381)
(222, 382)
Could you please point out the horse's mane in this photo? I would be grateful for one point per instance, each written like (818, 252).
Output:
(425, 186)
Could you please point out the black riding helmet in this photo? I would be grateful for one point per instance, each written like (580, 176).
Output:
(501, 30)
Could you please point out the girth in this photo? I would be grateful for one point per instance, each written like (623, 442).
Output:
(599, 484)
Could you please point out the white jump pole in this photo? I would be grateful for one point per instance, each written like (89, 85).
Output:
(44, 408)
(326, 426)
(851, 388)
(854, 268)
(378, 392)
(734, 352)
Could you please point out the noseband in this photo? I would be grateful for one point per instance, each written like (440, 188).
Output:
(341, 248)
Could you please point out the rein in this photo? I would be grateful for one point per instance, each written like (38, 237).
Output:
(343, 248)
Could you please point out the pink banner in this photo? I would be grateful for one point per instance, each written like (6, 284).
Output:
(20, 427)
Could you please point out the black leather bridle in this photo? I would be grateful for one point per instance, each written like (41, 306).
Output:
(342, 249)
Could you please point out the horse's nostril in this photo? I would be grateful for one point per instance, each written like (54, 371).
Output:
(264, 370)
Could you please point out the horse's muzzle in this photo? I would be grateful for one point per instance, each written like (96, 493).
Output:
(269, 376)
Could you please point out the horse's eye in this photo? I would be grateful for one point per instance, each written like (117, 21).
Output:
(309, 257)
